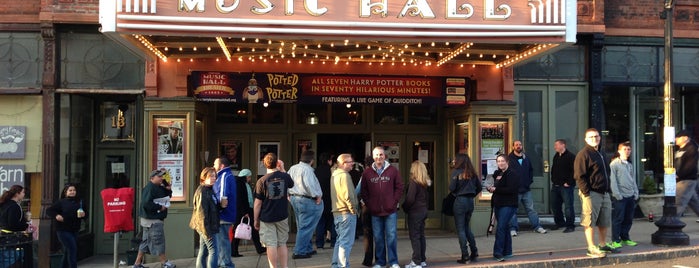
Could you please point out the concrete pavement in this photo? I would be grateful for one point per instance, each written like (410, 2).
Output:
(554, 249)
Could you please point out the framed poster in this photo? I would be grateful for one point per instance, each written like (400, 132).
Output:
(264, 147)
(302, 146)
(169, 142)
(232, 149)
(13, 142)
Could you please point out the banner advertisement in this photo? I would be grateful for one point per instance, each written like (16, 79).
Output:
(327, 89)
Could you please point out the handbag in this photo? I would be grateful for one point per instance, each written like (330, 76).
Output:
(244, 231)
(448, 204)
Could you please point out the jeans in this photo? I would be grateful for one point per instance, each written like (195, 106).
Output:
(208, 255)
(70, 248)
(307, 214)
(325, 224)
(416, 231)
(384, 230)
(345, 226)
(622, 218)
(223, 244)
(686, 195)
(463, 209)
(563, 196)
(503, 240)
(528, 203)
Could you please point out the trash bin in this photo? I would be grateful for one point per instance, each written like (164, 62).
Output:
(56, 260)
(16, 248)
(131, 255)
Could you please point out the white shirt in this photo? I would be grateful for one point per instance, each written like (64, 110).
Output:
(305, 180)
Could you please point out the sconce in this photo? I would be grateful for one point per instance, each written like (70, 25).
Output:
(265, 104)
(312, 119)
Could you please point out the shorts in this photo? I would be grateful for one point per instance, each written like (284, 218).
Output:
(153, 241)
(596, 210)
(274, 234)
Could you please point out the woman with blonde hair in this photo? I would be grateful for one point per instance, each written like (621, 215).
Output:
(205, 219)
(415, 206)
(465, 184)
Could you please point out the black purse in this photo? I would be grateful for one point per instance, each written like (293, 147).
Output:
(448, 204)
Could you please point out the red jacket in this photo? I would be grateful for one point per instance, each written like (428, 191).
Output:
(381, 194)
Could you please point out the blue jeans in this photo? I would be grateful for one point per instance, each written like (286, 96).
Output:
(345, 226)
(208, 255)
(325, 224)
(463, 209)
(223, 245)
(307, 214)
(686, 195)
(503, 240)
(69, 240)
(384, 230)
(622, 218)
(526, 200)
(563, 196)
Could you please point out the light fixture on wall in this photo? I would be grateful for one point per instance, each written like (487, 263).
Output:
(312, 119)
(265, 104)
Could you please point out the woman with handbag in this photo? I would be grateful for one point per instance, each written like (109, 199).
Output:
(69, 213)
(205, 219)
(505, 189)
(465, 184)
(245, 203)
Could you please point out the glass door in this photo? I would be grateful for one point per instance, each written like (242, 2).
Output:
(115, 169)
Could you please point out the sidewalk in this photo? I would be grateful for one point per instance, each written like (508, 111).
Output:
(554, 249)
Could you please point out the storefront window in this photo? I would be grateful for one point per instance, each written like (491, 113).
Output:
(422, 115)
(272, 114)
(388, 115)
(347, 114)
(229, 112)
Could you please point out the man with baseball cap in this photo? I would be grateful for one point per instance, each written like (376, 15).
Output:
(686, 171)
(155, 200)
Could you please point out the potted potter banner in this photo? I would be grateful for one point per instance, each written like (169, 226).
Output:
(244, 88)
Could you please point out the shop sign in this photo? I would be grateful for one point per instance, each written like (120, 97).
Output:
(11, 175)
(325, 89)
(12, 142)
(477, 20)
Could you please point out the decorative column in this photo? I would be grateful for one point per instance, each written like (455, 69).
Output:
(49, 135)
(597, 119)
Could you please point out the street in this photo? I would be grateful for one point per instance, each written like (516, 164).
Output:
(685, 262)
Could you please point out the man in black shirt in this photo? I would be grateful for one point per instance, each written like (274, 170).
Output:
(562, 187)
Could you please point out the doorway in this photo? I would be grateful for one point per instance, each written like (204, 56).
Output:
(337, 144)
(114, 169)
(547, 112)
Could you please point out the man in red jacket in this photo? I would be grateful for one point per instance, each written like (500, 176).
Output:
(381, 190)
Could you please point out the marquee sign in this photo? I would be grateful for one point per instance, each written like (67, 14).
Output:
(324, 89)
(529, 21)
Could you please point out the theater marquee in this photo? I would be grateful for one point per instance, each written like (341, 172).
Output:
(533, 21)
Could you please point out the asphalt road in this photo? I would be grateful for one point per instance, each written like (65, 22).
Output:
(687, 262)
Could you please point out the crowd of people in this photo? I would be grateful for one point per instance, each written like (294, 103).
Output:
(341, 200)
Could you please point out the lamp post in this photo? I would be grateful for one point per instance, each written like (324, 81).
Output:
(669, 226)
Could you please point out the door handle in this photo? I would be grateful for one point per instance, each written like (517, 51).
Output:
(546, 166)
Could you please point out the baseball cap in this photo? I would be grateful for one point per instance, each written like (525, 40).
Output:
(157, 172)
(244, 173)
(683, 133)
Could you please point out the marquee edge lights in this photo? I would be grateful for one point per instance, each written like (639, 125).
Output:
(150, 47)
(512, 60)
(454, 53)
(224, 48)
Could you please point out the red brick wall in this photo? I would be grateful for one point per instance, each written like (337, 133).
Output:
(22, 11)
(644, 14)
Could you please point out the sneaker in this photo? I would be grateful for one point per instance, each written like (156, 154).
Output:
(513, 233)
(499, 258)
(629, 243)
(541, 230)
(412, 265)
(300, 256)
(395, 265)
(508, 256)
(376, 266)
(138, 266)
(595, 253)
(423, 264)
(615, 245)
(569, 230)
(608, 249)
(168, 264)
(697, 220)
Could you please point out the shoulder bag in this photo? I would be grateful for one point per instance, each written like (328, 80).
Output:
(244, 231)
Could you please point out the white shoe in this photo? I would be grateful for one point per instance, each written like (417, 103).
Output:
(513, 233)
(697, 220)
(376, 266)
(412, 265)
(541, 230)
(423, 264)
(395, 265)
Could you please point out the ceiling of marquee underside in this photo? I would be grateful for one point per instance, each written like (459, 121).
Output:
(416, 52)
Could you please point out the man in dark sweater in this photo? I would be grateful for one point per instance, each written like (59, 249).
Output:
(155, 200)
(686, 170)
(519, 162)
(562, 185)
